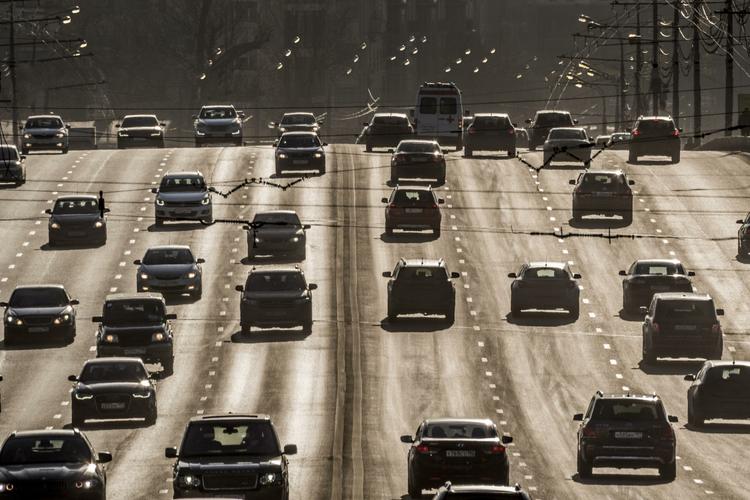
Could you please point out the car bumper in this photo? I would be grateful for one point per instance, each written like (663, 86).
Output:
(45, 144)
(288, 315)
(275, 246)
(91, 409)
(607, 205)
(276, 492)
(10, 174)
(522, 300)
(419, 171)
(149, 354)
(31, 333)
(308, 163)
(489, 144)
(627, 457)
(198, 212)
(412, 223)
(685, 347)
(730, 409)
(655, 147)
(78, 236)
(139, 141)
(432, 475)
(218, 137)
(180, 285)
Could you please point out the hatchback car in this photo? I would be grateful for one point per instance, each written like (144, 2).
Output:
(681, 325)
(44, 133)
(279, 298)
(544, 285)
(654, 136)
(37, 312)
(414, 208)
(296, 122)
(229, 455)
(112, 388)
(300, 151)
(170, 269)
(620, 140)
(77, 220)
(12, 165)
(417, 159)
(646, 277)
(543, 122)
(277, 232)
(743, 236)
(568, 144)
(626, 431)
(385, 130)
(721, 389)
(449, 491)
(218, 124)
(603, 192)
(52, 464)
(182, 196)
(490, 132)
(458, 450)
(421, 286)
(140, 130)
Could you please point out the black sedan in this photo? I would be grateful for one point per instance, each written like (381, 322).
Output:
(417, 159)
(465, 451)
(77, 220)
(721, 389)
(644, 278)
(52, 465)
(300, 151)
(113, 388)
(140, 130)
(603, 193)
(544, 285)
(39, 311)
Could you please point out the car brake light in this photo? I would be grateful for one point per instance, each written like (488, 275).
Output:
(716, 328)
(392, 206)
(666, 433)
(590, 432)
(635, 133)
(656, 327)
(472, 131)
(460, 123)
(676, 133)
(498, 448)
(512, 131)
(423, 448)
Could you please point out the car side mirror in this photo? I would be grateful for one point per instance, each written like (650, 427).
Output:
(325, 144)
(74, 302)
(200, 261)
(673, 419)
(312, 286)
(445, 151)
(689, 377)
(407, 439)
(387, 274)
(441, 201)
(170, 452)
(275, 144)
(622, 273)
(96, 319)
(307, 226)
(137, 262)
(691, 273)
(384, 200)
(106, 210)
(23, 157)
(271, 124)
(528, 120)
(290, 449)
(575, 121)
(154, 190)
(391, 151)
(576, 276)
(643, 309)
(72, 378)
(104, 457)
(512, 275)
(631, 182)
(720, 312)
(506, 439)
(740, 221)
(578, 417)
(3, 304)
(170, 316)
(455, 275)
(162, 124)
(48, 211)
(240, 288)
(572, 182)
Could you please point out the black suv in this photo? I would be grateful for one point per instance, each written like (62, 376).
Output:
(227, 455)
(414, 208)
(459, 450)
(417, 159)
(39, 311)
(682, 325)
(603, 192)
(277, 232)
(544, 285)
(721, 389)
(490, 132)
(276, 298)
(136, 325)
(626, 431)
(654, 136)
(50, 465)
(421, 286)
(543, 122)
(385, 130)
(646, 277)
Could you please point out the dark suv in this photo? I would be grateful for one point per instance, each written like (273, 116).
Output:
(385, 130)
(415, 208)
(654, 136)
(682, 325)
(490, 132)
(646, 277)
(418, 159)
(77, 220)
(136, 325)
(279, 298)
(603, 192)
(228, 455)
(721, 389)
(544, 285)
(543, 122)
(421, 286)
(626, 431)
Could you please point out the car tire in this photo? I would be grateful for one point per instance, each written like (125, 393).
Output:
(468, 153)
(239, 143)
(301, 254)
(575, 311)
(307, 326)
(450, 315)
(158, 221)
(436, 231)
(627, 217)
(161, 144)
(120, 145)
(152, 415)
(76, 418)
(245, 329)
(322, 171)
(414, 489)
(632, 157)
(389, 230)
(168, 365)
(64, 151)
(648, 355)
(392, 311)
(668, 472)
(394, 176)
(584, 470)
(9, 340)
(197, 294)
(512, 153)
(441, 180)
(368, 148)
(676, 157)
(198, 144)
(577, 215)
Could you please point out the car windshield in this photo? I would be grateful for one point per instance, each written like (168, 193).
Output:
(275, 282)
(280, 218)
(418, 147)
(300, 119)
(115, 371)
(163, 256)
(133, 312)
(627, 410)
(423, 274)
(45, 450)
(660, 268)
(459, 430)
(490, 123)
(414, 197)
(570, 133)
(685, 310)
(217, 113)
(553, 120)
(230, 438)
(299, 141)
(44, 123)
(139, 121)
(186, 183)
(390, 120)
(79, 206)
(545, 273)
(39, 297)
(8, 153)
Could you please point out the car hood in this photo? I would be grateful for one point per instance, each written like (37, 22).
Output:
(287, 294)
(299, 150)
(218, 121)
(182, 195)
(44, 131)
(299, 127)
(112, 387)
(63, 218)
(169, 270)
(141, 129)
(199, 465)
(49, 472)
(278, 231)
(124, 330)
(22, 312)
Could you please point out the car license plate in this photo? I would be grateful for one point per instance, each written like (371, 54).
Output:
(413, 210)
(685, 328)
(628, 435)
(135, 352)
(299, 162)
(113, 406)
(77, 233)
(38, 329)
(183, 211)
(460, 453)
(603, 195)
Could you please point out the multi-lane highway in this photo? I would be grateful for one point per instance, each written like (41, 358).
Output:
(345, 393)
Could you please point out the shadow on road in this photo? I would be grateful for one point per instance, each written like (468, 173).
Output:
(599, 223)
(541, 318)
(409, 237)
(652, 163)
(46, 247)
(273, 335)
(720, 428)
(405, 181)
(175, 226)
(415, 324)
(669, 367)
(37, 345)
(622, 479)
(630, 316)
(106, 425)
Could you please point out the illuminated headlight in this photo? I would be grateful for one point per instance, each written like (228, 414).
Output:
(6, 487)
(294, 239)
(27, 136)
(63, 318)
(315, 128)
(122, 133)
(144, 276)
(282, 156)
(12, 320)
(191, 275)
(267, 478)
(200, 133)
(54, 225)
(318, 155)
(160, 202)
(98, 224)
(188, 481)
(110, 338)
(205, 201)
(142, 395)
(82, 396)
(282, 129)
(236, 132)
(60, 135)
(258, 240)
(157, 337)
(85, 485)
(155, 134)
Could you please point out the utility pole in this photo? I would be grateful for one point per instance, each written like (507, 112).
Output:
(621, 102)
(638, 63)
(729, 78)
(655, 78)
(12, 70)
(696, 74)
(676, 67)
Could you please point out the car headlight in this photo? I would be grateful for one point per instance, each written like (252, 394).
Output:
(315, 128)
(191, 275)
(60, 135)
(282, 156)
(110, 338)
(294, 239)
(160, 202)
(54, 225)
(258, 240)
(267, 478)
(142, 395)
(12, 320)
(199, 133)
(6, 487)
(83, 396)
(122, 133)
(237, 132)
(205, 201)
(188, 481)
(86, 484)
(144, 276)
(155, 134)
(158, 337)
(27, 136)
(318, 155)
(63, 318)
(282, 129)
(98, 224)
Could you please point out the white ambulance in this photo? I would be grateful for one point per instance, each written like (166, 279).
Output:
(439, 114)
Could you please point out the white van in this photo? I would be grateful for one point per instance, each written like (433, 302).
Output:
(439, 114)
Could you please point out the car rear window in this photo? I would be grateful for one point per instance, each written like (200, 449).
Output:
(491, 123)
(459, 430)
(602, 181)
(415, 197)
(298, 119)
(448, 106)
(390, 120)
(662, 268)
(737, 376)
(217, 113)
(553, 120)
(230, 438)
(275, 282)
(627, 410)
(428, 105)
(544, 273)
(418, 147)
(655, 126)
(423, 274)
(680, 310)
(277, 218)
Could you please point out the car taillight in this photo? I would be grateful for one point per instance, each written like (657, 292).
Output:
(676, 133)
(497, 449)
(716, 328)
(472, 131)
(461, 123)
(391, 206)
(512, 131)
(590, 432)
(423, 448)
(665, 433)
(656, 327)
(635, 133)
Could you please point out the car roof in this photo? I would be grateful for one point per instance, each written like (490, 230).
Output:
(726, 362)
(422, 262)
(395, 115)
(298, 113)
(43, 116)
(44, 285)
(268, 212)
(47, 433)
(299, 133)
(104, 361)
(185, 173)
(275, 270)
(580, 129)
(497, 115)
(418, 141)
(231, 416)
(217, 106)
(603, 172)
(135, 296)
(699, 297)
(664, 118)
(484, 488)
(640, 397)
(551, 265)
(411, 187)
(77, 197)
(544, 111)
(169, 247)
(448, 420)
(139, 116)
(658, 261)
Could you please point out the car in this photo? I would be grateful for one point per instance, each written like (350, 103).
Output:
(490, 132)
(543, 122)
(296, 122)
(77, 220)
(681, 325)
(136, 325)
(603, 192)
(36, 312)
(1, 379)
(460, 450)
(654, 136)
(300, 151)
(414, 208)
(421, 286)
(385, 130)
(620, 140)
(522, 138)
(626, 431)
(743, 236)
(222, 455)
(170, 269)
(277, 232)
(52, 464)
(112, 388)
(218, 124)
(544, 285)
(480, 492)
(720, 389)
(417, 159)
(602, 140)
(567, 144)
(138, 130)
(12, 165)
(645, 277)
(280, 298)
(438, 113)
(44, 133)
(182, 196)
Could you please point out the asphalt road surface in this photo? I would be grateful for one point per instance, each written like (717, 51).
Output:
(345, 393)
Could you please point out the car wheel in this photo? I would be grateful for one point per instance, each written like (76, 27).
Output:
(436, 231)
(245, 329)
(368, 148)
(392, 311)
(584, 469)
(414, 488)
(676, 157)
(120, 145)
(239, 143)
(468, 152)
(632, 157)
(64, 151)
(161, 144)
(76, 418)
(577, 214)
(450, 315)
(307, 326)
(389, 230)
(441, 180)
(158, 221)
(394, 176)
(197, 294)
(9, 340)
(668, 472)
(512, 153)
(168, 365)
(574, 311)
(152, 415)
